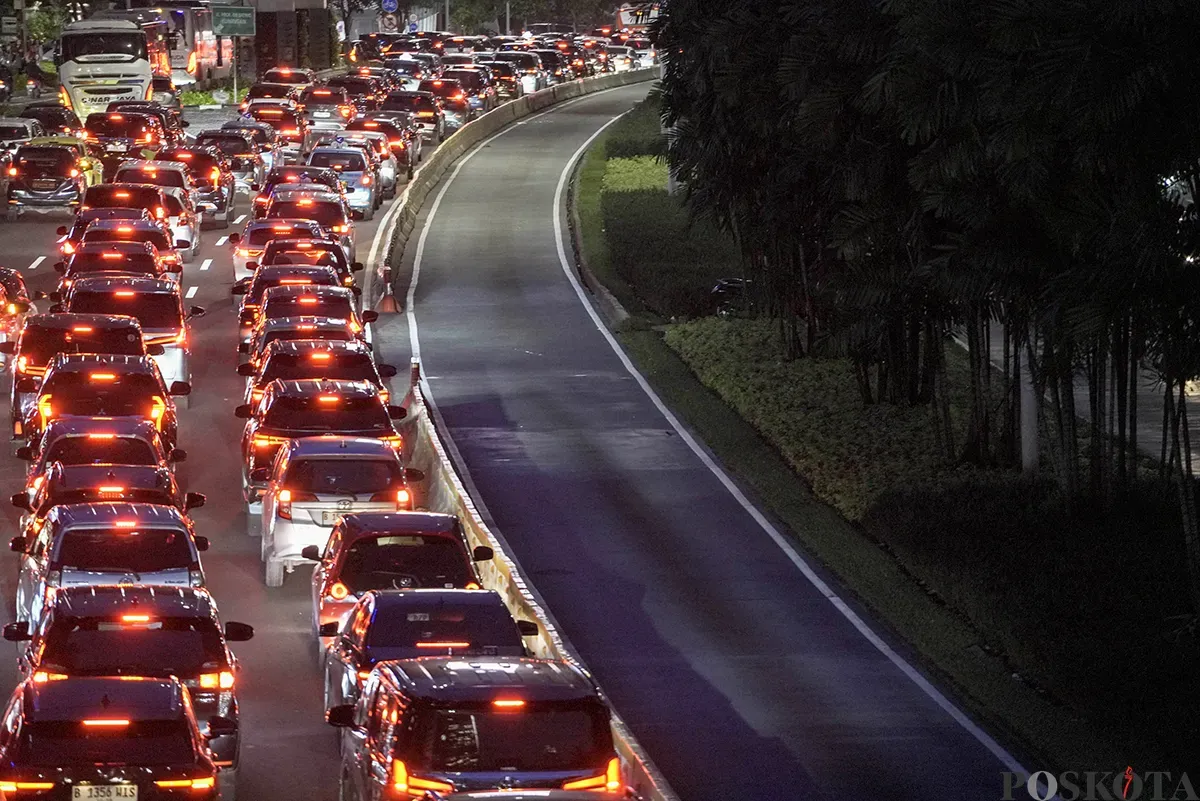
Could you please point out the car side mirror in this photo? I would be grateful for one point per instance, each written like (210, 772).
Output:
(21, 501)
(61, 230)
(193, 500)
(201, 543)
(26, 384)
(357, 267)
(413, 474)
(311, 552)
(245, 369)
(370, 316)
(17, 544)
(184, 124)
(397, 412)
(238, 632)
(235, 238)
(25, 453)
(155, 349)
(260, 474)
(56, 308)
(243, 411)
(8, 348)
(240, 288)
(341, 715)
(177, 455)
(60, 267)
(243, 347)
(182, 244)
(220, 726)
(180, 388)
(482, 553)
(39, 295)
(528, 628)
(196, 311)
(387, 370)
(329, 629)
(19, 632)
(55, 296)
(356, 291)
(18, 306)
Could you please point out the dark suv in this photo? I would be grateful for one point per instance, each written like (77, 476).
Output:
(123, 737)
(448, 724)
(46, 176)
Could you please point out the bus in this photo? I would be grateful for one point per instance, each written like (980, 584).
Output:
(102, 60)
(637, 16)
(155, 28)
(198, 56)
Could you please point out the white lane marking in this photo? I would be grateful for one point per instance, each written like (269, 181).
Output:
(922, 683)
(36, 262)
(204, 265)
(221, 242)
(238, 221)
(191, 293)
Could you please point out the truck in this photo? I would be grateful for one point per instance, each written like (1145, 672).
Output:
(100, 61)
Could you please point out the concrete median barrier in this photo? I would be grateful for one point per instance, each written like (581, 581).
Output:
(444, 491)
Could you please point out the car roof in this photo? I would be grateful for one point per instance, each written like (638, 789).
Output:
(113, 213)
(310, 289)
(126, 247)
(361, 524)
(299, 346)
(87, 476)
(138, 283)
(270, 222)
(300, 270)
(178, 166)
(249, 124)
(111, 223)
(78, 362)
(339, 446)
(71, 319)
(106, 514)
(424, 598)
(83, 697)
(307, 387)
(99, 600)
(82, 426)
(454, 679)
(277, 323)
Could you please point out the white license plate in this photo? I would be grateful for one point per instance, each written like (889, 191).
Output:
(331, 518)
(86, 792)
(323, 114)
(44, 184)
(116, 148)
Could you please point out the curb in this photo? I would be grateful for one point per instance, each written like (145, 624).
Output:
(614, 313)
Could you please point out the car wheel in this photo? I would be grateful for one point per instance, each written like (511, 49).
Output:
(369, 212)
(274, 573)
(410, 171)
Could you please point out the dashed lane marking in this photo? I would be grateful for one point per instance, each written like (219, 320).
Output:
(191, 293)
(36, 262)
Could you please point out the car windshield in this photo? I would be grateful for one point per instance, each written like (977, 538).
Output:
(324, 213)
(343, 476)
(308, 306)
(160, 647)
(405, 561)
(139, 175)
(124, 196)
(332, 413)
(155, 742)
(104, 46)
(482, 627)
(83, 263)
(129, 234)
(39, 344)
(97, 393)
(100, 449)
(229, 144)
(44, 162)
(537, 737)
(154, 310)
(124, 550)
(338, 159)
(320, 364)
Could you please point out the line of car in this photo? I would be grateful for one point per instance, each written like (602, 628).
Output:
(130, 687)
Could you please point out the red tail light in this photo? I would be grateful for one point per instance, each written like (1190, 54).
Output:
(286, 498)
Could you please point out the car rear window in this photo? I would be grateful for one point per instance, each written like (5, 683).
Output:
(39, 344)
(160, 647)
(312, 414)
(154, 310)
(326, 213)
(343, 476)
(156, 238)
(229, 144)
(124, 550)
(256, 134)
(538, 737)
(14, 132)
(421, 105)
(270, 90)
(469, 79)
(131, 196)
(263, 234)
(338, 159)
(475, 624)
(121, 126)
(53, 744)
(82, 263)
(101, 393)
(138, 175)
(325, 257)
(356, 86)
(100, 449)
(320, 364)
(405, 561)
(308, 306)
(323, 96)
(44, 162)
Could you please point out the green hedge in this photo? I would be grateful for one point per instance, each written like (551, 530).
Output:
(638, 133)
(672, 263)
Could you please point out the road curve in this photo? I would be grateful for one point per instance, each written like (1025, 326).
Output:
(736, 673)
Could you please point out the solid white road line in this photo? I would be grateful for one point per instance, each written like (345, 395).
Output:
(985, 739)
(36, 262)
(221, 242)
(191, 293)
(204, 265)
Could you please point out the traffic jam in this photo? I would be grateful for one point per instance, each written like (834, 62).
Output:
(130, 681)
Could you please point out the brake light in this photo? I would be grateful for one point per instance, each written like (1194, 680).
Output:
(101, 436)
(215, 175)
(425, 114)
(442, 645)
(186, 784)
(68, 248)
(158, 410)
(610, 780)
(329, 398)
(184, 157)
(286, 498)
(346, 111)
(111, 256)
(74, 173)
(160, 212)
(366, 180)
(12, 787)
(126, 524)
(191, 63)
(214, 681)
(135, 618)
(12, 171)
(308, 301)
(106, 490)
(340, 229)
(45, 409)
(508, 703)
(22, 363)
(107, 722)
(42, 676)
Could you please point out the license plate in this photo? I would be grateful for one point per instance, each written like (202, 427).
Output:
(86, 792)
(45, 184)
(331, 518)
(116, 148)
(323, 114)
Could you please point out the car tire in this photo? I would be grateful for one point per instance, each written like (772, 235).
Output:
(273, 573)
(369, 212)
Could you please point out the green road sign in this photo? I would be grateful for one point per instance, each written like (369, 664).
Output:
(232, 21)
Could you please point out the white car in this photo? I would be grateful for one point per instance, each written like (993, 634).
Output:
(106, 543)
(248, 246)
(166, 174)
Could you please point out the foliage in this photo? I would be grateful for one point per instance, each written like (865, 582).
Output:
(46, 23)
(196, 97)
(638, 133)
(634, 174)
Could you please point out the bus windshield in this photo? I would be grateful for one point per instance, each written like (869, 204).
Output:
(127, 45)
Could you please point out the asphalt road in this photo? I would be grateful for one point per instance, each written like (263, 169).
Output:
(288, 752)
(739, 677)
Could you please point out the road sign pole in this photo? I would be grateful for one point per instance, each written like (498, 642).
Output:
(235, 68)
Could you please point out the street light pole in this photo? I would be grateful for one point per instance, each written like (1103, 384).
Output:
(507, 18)
(447, 15)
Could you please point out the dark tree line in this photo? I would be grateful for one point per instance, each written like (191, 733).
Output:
(1018, 174)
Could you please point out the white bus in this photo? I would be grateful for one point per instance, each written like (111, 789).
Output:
(100, 61)
(197, 54)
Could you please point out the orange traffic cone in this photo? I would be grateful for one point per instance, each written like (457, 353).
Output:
(387, 304)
